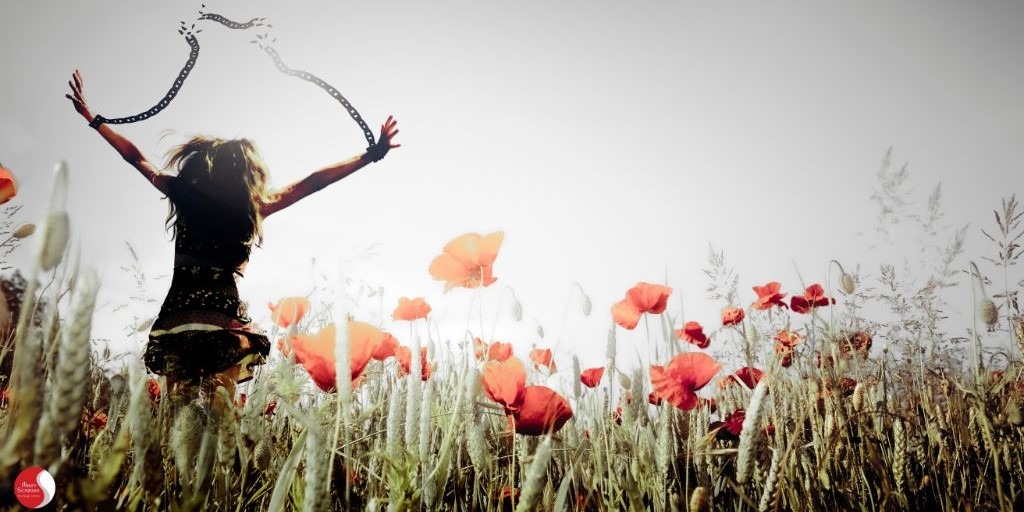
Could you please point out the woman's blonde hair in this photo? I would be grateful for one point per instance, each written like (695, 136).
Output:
(223, 177)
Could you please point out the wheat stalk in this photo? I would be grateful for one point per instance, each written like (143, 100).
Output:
(74, 363)
(769, 494)
(899, 462)
(751, 423)
(536, 477)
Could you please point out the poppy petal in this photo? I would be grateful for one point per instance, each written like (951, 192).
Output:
(591, 377)
(505, 382)
(626, 314)
(543, 411)
(693, 369)
(668, 388)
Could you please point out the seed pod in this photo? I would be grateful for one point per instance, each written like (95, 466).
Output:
(24, 231)
(847, 283)
(609, 348)
(988, 312)
(1013, 414)
(50, 248)
(700, 500)
(858, 396)
(624, 381)
(517, 310)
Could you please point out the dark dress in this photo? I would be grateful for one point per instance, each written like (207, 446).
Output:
(203, 327)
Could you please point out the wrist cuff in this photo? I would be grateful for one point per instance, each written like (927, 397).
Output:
(376, 152)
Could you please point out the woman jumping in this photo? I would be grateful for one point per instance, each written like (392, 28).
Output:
(218, 199)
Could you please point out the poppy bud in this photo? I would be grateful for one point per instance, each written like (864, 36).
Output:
(846, 281)
(586, 305)
(50, 248)
(1013, 414)
(988, 312)
(609, 348)
(517, 310)
(700, 500)
(540, 330)
(24, 230)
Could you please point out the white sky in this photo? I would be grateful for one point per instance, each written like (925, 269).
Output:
(611, 141)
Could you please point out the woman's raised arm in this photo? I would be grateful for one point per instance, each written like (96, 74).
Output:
(328, 175)
(124, 147)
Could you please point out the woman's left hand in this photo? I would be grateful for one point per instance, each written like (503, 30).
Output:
(388, 130)
(386, 142)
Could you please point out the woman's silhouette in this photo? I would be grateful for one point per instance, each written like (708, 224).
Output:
(218, 201)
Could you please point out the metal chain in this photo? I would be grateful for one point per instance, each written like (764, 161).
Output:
(311, 78)
(190, 38)
(261, 40)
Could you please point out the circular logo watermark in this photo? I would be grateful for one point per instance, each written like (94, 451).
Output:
(34, 487)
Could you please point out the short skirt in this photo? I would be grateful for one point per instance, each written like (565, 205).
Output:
(203, 328)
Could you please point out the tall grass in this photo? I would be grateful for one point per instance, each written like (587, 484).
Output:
(899, 427)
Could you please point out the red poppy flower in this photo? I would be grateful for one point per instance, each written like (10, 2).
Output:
(640, 299)
(542, 411)
(785, 341)
(411, 309)
(271, 407)
(768, 296)
(153, 388)
(732, 316)
(403, 355)
(858, 342)
(534, 410)
(813, 297)
(847, 386)
(730, 428)
(591, 377)
(748, 376)
(542, 357)
(499, 351)
(654, 399)
(288, 311)
(385, 347)
(505, 382)
(685, 374)
(8, 188)
(467, 261)
(693, 333)
(509, 495)
(99, 420)
(316, 352)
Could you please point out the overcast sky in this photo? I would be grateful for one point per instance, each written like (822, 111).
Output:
(610, 141)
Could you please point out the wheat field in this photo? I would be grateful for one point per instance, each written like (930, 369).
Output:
(844, 396)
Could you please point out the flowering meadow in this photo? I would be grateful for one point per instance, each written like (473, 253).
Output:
(841, 393)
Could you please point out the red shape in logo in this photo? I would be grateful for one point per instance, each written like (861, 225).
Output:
(34, 487)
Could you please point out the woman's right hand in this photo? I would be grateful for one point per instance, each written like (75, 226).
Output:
(76, 97)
